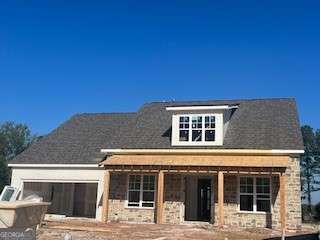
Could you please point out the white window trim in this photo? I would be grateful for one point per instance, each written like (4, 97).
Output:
(254, 194)
(141, 192)
(218, 130)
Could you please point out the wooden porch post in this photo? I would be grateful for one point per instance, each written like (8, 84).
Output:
(283, 200)
(160, 194)
(105, 201)
(220, 198)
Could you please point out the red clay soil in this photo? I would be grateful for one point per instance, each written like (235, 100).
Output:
(83, 230)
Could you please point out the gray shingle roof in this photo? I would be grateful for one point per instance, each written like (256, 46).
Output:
(256, 124)
(79, 140)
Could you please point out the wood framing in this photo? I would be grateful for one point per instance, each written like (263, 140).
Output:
(198, 160)
(160, 197)
(220, 198)
(105, 201)
(195, 169)
(283, 201)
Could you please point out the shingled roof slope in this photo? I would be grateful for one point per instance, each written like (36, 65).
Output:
(256, 124)
(79, 140)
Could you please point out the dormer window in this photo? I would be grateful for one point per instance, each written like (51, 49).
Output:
(199, 125)
(197, 128)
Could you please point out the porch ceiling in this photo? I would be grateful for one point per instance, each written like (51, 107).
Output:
(197, 160)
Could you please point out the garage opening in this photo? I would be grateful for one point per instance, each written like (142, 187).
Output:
(68, 199)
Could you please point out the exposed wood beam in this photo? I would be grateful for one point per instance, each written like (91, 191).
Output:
(220, 198)
(196, 169)
(133, 170)
(105, 201)
(160, 197)
(283, 201)
(197, 160)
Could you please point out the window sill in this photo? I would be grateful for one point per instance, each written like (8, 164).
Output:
(139, 208)
(202, 143)
(251, 212)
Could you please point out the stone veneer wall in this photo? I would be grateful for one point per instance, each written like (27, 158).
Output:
(232, 216)
(293, 202)
(173, 201)
(293, 197)
(117, 197)
(175, 195)
(174, 198)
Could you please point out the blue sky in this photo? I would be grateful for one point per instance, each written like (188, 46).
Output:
(58, 58)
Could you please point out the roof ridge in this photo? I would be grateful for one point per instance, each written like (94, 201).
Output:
(103, 113)
(209, 100)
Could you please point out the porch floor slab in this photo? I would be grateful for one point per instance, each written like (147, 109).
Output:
(83, 230)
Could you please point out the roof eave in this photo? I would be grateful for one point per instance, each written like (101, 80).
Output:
(206, 151)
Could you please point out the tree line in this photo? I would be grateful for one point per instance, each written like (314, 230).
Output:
(14, 139)
(310, 169)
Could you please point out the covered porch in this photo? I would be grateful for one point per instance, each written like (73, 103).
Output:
(220, 189)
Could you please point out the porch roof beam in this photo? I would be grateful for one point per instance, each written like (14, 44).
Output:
(197, 160)
(200, 170)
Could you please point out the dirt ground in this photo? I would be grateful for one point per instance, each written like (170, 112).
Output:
(84, 230)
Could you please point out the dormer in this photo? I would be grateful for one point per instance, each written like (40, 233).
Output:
(199, 125)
